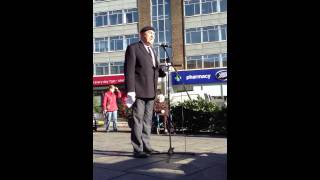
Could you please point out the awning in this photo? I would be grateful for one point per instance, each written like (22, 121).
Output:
(108, 80)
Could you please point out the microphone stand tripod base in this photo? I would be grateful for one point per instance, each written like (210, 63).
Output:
(170, 151)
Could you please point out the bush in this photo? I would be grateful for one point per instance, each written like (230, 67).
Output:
(96, 106)
(219, 125)
(199, 115)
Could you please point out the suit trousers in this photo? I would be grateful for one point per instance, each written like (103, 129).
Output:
(142, 110)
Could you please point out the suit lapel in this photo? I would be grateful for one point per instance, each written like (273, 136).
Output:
(141, 46)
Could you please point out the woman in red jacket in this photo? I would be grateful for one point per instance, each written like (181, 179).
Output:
(110, 107)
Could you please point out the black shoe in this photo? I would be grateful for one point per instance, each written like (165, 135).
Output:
(152, 151)
(140, 155)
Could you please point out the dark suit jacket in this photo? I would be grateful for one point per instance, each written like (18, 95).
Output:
(140, 74)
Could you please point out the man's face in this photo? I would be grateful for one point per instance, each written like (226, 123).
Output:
(148, 37)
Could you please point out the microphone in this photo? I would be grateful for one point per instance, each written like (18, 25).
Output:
(165, 45)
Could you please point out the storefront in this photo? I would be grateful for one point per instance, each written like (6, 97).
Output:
(100, 84)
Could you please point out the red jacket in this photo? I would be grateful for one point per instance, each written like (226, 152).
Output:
(110, 101)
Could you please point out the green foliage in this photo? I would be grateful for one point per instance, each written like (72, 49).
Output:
(96, 106)
(200, 115)
(199, 105)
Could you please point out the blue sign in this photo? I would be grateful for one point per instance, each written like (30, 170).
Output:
(200, 76)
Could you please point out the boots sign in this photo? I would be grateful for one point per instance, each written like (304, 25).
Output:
(200, 76)
(222, 75)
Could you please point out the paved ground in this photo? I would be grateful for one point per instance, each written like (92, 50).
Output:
(113, 159)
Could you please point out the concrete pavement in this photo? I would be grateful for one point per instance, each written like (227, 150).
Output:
(113, 158)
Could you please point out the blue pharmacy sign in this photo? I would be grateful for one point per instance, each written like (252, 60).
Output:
(200, 76)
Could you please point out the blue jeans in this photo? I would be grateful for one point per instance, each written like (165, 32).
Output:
(111, 116)
(157, 123)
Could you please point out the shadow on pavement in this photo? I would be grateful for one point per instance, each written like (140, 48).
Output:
(113, 153)
(204, 166)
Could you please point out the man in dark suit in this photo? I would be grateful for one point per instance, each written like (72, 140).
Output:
(141, 69)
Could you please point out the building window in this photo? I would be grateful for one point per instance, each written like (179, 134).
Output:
(206, 34)
(194, 62)
(131, 15)
(131, 39)
(102, 69)
(161, 21)
(154, 11)
(115, 17)
(211, 61)
(192, 7)
(210, 33)
(224, 32)
(209, 6)
(223, 5)
(160, 7)
(116, 43)
(193, 35)
(161, 36)
(116, 67)
(167, 7)
(207, 61)
(101, 19)
(224, 59)
(101, 44)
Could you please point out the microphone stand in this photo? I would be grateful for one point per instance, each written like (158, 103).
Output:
(168, 64)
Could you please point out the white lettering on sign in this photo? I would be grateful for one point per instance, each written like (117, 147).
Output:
(205, 76)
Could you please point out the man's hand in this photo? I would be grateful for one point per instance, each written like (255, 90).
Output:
(131, 99)
(162, 111)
